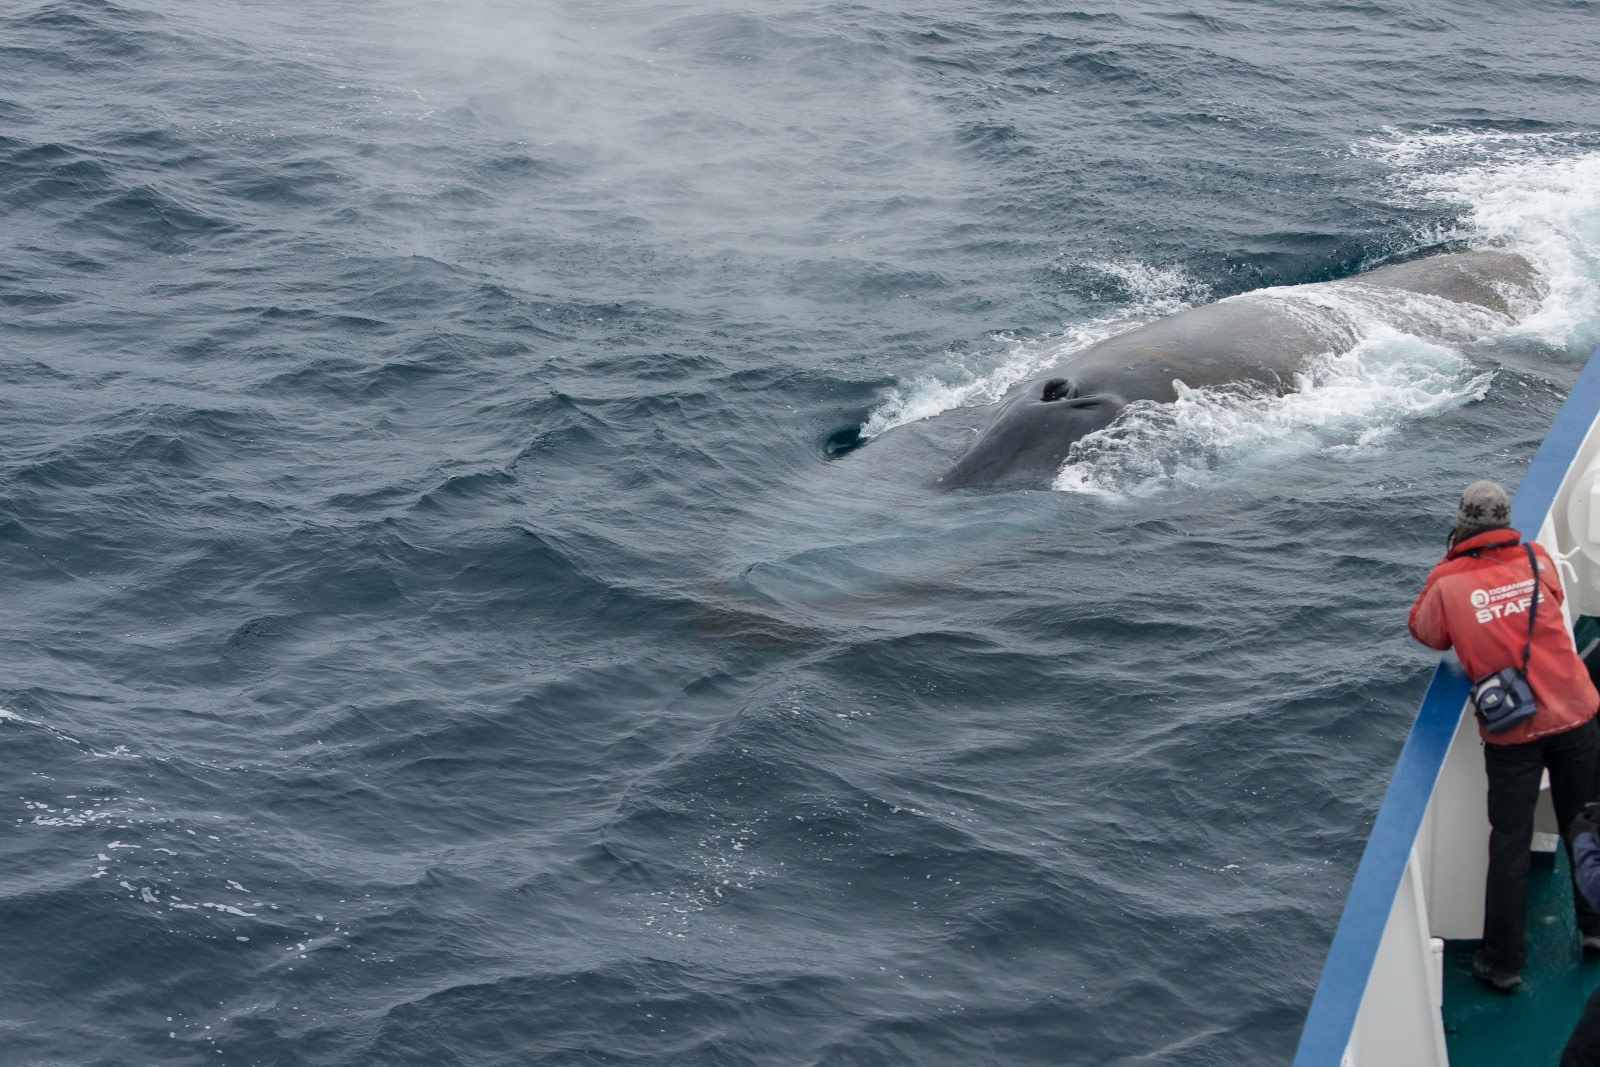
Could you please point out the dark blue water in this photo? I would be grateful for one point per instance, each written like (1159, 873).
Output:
(434, 630)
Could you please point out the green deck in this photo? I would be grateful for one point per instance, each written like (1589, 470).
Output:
(1525, 1028)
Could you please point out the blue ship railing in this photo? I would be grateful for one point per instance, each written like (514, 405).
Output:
(1333, 1010)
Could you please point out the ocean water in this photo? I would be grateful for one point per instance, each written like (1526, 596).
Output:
(445, 620)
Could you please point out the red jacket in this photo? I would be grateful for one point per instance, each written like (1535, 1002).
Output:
(1476, 600)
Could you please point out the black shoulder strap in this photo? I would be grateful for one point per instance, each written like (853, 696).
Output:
(1533, 608)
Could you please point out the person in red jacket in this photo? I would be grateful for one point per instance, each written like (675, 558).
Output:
(1476, 600)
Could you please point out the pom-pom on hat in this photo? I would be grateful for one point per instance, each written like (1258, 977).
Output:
(1484, 506)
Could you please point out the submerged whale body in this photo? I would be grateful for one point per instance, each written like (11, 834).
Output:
(1263, 337)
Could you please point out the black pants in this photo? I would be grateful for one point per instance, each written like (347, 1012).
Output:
(1583, 1047)
(1514, 772)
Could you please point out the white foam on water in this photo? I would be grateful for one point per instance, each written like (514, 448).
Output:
(1536, 192)
(1153, 293)
(119, 752)
(1349, 402)
(229, 909)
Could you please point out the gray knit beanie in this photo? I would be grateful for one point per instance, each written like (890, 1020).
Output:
(1484, 506)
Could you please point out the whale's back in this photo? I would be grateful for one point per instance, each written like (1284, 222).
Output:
(1503, 282)
(1258, 337)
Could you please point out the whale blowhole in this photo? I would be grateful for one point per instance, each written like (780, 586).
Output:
(1059, 389)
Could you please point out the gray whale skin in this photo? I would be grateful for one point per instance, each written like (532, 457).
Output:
(1246, 338)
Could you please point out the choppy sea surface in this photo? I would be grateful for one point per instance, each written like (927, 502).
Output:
(444, 622)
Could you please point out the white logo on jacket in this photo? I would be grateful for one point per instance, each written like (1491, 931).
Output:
(1503, 600)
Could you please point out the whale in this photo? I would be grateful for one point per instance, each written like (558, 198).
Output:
(1262, 338)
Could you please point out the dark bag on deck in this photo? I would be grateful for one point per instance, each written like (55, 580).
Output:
(1504, 699)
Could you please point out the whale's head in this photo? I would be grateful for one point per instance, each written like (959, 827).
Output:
(1028, 441)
